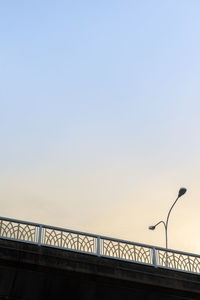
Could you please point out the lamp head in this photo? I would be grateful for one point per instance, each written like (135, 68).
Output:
(181, 192)
(152, 227)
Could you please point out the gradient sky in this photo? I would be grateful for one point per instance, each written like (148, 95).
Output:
(100, 116)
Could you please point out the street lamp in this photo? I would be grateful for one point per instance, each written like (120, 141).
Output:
(181, 192)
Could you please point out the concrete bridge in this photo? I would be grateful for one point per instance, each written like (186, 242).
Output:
(30, 270)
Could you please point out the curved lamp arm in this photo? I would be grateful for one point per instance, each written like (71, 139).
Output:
(170, 211)
(182, 191)
(154, 226)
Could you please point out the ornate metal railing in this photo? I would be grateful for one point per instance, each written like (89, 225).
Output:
(71, 240)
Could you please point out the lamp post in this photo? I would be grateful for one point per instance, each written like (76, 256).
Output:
(182, 191)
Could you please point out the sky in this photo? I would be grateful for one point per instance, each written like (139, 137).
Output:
(100, 116)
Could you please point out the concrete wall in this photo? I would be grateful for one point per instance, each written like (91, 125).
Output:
(31, 272)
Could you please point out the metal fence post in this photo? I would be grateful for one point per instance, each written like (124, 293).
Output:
(154, 257)
(40, 235)
(1, 226)
(98, 245)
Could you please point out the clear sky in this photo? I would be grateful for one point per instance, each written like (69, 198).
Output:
(100, 116)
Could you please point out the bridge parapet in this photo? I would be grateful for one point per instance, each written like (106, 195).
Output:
(66, 239)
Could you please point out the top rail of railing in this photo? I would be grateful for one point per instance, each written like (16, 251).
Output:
(51, 236)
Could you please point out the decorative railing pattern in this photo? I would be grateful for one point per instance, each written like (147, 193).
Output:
(179, 261)
(69, 240)
(126, 250)
(49, 236)
(18, 230)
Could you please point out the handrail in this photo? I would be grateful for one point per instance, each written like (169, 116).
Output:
(71, 240)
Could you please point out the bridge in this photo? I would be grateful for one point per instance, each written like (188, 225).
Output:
(38, 261)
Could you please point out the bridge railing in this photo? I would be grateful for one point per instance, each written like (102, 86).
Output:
(49, 236)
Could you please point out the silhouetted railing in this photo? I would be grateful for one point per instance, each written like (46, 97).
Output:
(71, 240)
